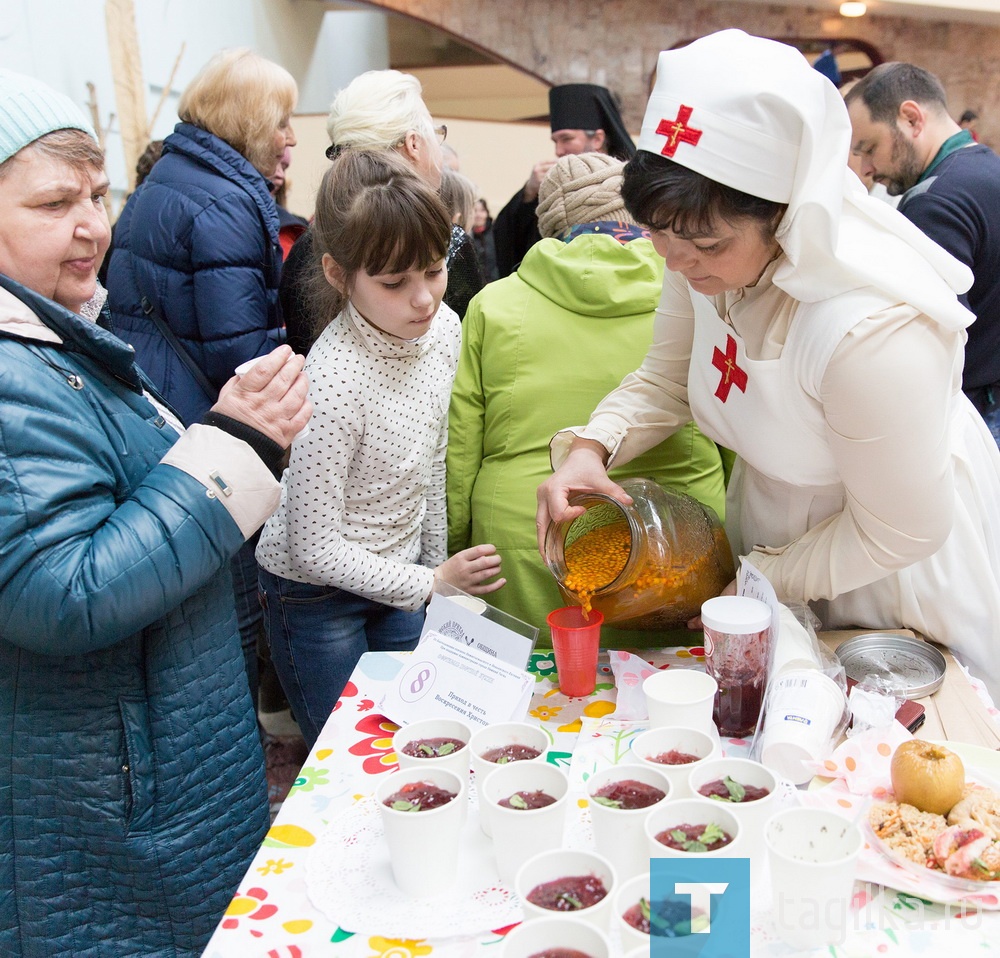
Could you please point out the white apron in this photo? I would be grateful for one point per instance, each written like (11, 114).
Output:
(785, 481)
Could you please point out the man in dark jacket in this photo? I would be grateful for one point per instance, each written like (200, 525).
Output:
(584, 118)
(950, 187)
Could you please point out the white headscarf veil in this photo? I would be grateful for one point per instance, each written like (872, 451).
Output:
(752, 114)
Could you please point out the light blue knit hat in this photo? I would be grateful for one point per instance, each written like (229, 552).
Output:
(30, 109)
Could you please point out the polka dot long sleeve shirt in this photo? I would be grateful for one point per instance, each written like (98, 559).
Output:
(363, 498)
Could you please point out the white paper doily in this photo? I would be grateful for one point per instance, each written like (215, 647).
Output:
(349, 879)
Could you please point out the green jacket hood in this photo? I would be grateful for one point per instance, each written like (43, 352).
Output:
(595, 275)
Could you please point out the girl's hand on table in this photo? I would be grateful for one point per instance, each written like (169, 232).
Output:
(469, 570)
(582, 471)
(695, 623)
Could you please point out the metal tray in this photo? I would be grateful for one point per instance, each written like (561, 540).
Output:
(911, 667)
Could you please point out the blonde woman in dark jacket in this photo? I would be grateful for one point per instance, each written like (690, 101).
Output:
(194, 272)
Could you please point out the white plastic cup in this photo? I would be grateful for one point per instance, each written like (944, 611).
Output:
(813, 857)
(626, 897)
(457, 761)
(561, 863)
(804, 709)
(531, 937)
(497, 736)
(694, 811)
(619, 833)
(656, 741)
(753, 815)
(794, 647)
(424, 845)
(681, 697)
(518, 834)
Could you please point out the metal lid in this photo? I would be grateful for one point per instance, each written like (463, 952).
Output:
(911, 667)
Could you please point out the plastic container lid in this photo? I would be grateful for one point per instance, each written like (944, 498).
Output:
(735, 614)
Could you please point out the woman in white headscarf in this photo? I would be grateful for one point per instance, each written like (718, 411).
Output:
(818, 334)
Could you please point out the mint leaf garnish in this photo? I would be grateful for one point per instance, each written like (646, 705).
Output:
(736, 791)
(712, 833)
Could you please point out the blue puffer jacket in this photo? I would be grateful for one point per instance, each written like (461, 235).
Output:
(132, 793)
(199, 240)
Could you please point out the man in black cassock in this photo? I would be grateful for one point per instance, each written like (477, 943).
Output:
(584, 118)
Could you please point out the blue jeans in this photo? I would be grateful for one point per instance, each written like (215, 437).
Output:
(317, 634)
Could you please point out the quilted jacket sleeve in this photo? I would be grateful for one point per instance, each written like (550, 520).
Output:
(96, 540)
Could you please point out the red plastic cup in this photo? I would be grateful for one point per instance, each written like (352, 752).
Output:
(576, 642)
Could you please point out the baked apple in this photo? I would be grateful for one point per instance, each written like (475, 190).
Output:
(927, 776)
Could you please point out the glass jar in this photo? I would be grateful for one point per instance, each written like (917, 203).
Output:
(649, 565)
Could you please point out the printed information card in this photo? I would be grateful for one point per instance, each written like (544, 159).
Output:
(470, 620)
(448, 679)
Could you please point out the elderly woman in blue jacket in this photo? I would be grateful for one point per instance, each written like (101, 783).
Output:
(132, 791)
(193, 275)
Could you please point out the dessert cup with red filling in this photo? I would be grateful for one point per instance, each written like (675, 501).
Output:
(567, 882)
(511, 797)
(618, 827)
(693, 826)
(418, 814)
(434, 743)
(510, 740)
(675, 751)
(752, 815)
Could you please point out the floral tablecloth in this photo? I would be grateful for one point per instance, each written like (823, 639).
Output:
(272, 914)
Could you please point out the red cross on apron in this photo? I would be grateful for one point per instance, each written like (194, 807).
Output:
(677, 131)
(732, 375)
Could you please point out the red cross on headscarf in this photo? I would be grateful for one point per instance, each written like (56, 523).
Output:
(677, 131)
(732, 375)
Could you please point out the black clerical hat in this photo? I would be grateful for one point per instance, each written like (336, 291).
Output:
(586, 106)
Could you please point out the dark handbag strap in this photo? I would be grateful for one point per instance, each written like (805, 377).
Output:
(175, 344)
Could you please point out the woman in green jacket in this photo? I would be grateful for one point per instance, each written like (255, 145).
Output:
(539, 349)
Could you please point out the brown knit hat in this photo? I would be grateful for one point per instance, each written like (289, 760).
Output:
(584, 188)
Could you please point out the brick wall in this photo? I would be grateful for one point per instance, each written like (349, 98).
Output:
(615, 42)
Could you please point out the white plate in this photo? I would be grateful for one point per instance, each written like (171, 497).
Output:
(982, 767)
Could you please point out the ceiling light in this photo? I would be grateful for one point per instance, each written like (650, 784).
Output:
(853, 8)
